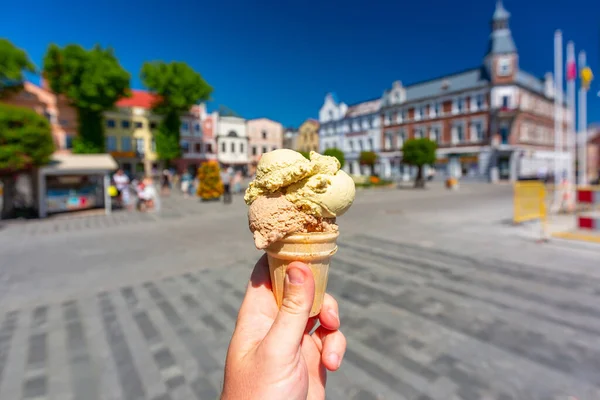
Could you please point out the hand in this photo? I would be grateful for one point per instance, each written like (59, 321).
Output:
(271, 354)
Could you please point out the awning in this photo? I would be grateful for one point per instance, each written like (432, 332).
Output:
(63, 164)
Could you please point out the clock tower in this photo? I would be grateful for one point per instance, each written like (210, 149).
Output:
(502, 59)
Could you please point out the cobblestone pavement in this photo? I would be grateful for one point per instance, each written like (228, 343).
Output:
(422, 321)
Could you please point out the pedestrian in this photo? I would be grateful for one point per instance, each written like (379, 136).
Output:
(186, 182)
(237, 182)
(121, 181)
(226, 179)
(165, 183)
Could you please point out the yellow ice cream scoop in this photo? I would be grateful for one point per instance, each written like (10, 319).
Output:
(323, 195)
(277, 169)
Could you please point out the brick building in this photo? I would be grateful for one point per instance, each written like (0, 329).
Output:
(493, 121)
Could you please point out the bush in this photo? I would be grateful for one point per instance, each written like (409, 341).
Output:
(306, 154)
(337, 153)
(210, 187)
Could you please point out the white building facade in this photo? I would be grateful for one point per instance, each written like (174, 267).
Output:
(352, 129)
(232, 143)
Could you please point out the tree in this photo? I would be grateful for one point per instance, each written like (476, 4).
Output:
(419, 152)
(93, 81)
(305, 154)
(210, 187)
(14, 62)
(179, 87)
(368, 158)
(25, 142)
(337, 153)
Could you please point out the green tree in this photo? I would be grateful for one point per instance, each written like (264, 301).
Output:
(93, 81)
(179, 87)
(337, 153)
(305, 154)
(14, 62)
(419, 152)
(368, 158)
(25, 142)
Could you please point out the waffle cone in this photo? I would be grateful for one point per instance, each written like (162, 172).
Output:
(315, 249)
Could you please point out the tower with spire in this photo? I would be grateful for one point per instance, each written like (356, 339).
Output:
(501, 59)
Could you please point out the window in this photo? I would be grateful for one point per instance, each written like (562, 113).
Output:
(355, 126)
(371, 146)
(417, 133)
(388, 141)
(223, 147)
(232, 147)
(386, 120)
(365, 123)
(111, 143)
(110, 123)
(437, 108)
(505, 101)
(253, 150)
(264, 135)
(197, 127)
(434, 134)
(351, 145)
(125, 124)
(460, 104)
(477, 131)
(139, 146)
(242, 149)
(209, 148)
(479, 102)
(153, 125)
(504, 66)
(68, 142)
(360, 145)
(460, 133)
(185, 126)
(264, 149)
(401, 138)
(185, 146)
(64, 123)
(153, 144)
(417, 113)
(125, 144)
(138, 125)
(274, 148)
(197, 148)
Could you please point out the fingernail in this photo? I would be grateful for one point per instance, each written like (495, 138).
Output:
(334, 359)
(295, 276)
(334, 314)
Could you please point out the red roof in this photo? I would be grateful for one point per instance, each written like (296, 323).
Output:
(139, 98)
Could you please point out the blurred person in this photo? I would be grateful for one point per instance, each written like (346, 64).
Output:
(121, 181)
(186, 182)
(150, 195)
(236, 182)
(165, 183)
(272, 354)
(226, 179)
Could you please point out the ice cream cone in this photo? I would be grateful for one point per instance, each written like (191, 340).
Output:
(315, 249)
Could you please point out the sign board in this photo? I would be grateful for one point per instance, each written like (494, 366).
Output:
(529, 201)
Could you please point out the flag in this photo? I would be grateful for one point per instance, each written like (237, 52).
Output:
(586, 77)
(571, 71)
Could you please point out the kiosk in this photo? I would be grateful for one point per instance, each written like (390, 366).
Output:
(72, 182)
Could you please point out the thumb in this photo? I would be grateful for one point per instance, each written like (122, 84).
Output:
(298, 293)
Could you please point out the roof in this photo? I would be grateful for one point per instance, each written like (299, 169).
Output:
(500, 13)
(139, 98)
(364, 108)
(469, 79)
(530, 82)
(79, 163)
(501, 42)
(312, 121)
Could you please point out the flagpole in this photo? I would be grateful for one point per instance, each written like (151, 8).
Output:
(582, 125)
(558, 100)
(571, 77)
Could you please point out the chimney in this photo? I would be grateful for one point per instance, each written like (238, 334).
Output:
(549, 85)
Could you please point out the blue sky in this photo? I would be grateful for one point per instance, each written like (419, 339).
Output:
(278, 59)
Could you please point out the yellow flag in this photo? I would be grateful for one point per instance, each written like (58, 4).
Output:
(586, 76)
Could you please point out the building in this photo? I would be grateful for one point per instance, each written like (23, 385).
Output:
(290, 135)
(62, 117)
(352, 129)
(129, 133)
(308, 136)
(232, 143)
(263, 135)
(593, 154)
(492, 121)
